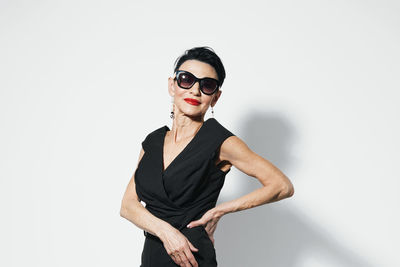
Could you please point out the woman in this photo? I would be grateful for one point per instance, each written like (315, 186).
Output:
(181, 171)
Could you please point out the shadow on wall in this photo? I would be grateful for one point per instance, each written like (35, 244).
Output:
(276, 234)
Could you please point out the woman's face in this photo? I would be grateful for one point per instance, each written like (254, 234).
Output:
(185, 107)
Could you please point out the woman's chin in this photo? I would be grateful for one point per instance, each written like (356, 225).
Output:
(193, 115)
(192, 112)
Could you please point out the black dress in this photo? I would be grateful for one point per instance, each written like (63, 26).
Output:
(183, 192)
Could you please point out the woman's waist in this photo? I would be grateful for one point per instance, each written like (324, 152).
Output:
(181, 218)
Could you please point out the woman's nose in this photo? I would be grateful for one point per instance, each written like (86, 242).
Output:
(196, 88)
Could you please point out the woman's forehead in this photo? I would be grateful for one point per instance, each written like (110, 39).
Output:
(199, 69)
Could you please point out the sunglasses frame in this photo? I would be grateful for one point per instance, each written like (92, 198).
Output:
(196, 80)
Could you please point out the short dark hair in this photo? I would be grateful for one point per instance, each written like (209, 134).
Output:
(204, 54)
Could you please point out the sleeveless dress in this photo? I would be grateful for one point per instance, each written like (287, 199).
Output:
(183, 192)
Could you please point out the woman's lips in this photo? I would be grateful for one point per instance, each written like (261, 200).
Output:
(192, 101)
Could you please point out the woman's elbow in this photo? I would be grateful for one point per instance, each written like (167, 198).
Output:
(288, 190)
(123, 211)
(127, 207)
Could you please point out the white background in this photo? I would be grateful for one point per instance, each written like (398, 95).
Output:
(313, 86)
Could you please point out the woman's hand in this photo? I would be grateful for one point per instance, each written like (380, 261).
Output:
(179, 248)
(209, 220)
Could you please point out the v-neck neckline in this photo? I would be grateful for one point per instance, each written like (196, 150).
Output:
(166, 129)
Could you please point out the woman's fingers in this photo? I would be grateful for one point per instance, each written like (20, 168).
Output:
(181, 260)
(179, 248)
(189, 256)
(186, 256)
(178, 259)
(183, 256)
(192, 247)
(174, 258)
(185, 259)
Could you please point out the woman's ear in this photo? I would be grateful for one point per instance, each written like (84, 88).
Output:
(215, 98)
(171, 88)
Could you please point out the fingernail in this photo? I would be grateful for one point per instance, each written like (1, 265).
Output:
(188, 226)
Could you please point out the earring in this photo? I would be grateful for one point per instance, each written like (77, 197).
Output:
(212, 112)
(172, 108)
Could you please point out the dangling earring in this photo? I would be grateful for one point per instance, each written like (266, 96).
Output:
(172, 108)
(212, 112)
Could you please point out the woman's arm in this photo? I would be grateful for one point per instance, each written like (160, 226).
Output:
(276, 186)
(135, 212)
(176, 244)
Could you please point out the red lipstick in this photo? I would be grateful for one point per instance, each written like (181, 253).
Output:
(192, 101)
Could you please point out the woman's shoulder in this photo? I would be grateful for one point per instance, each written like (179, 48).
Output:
(156, 131)
(152, 136)
(219, 129)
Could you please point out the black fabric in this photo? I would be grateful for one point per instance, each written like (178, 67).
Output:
(183, 192)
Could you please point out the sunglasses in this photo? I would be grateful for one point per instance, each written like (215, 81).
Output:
(186, 80)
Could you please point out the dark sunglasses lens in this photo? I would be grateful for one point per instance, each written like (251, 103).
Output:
(185, 80)
(209, 86)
